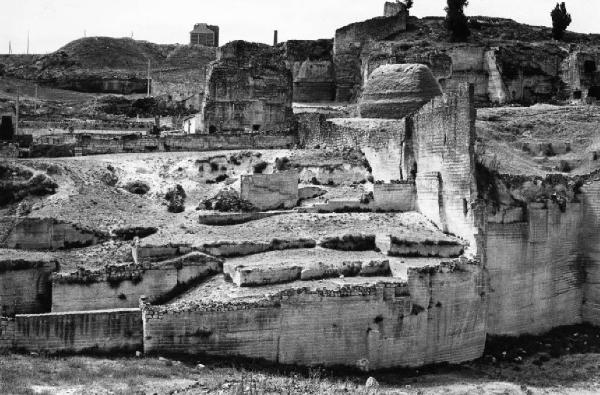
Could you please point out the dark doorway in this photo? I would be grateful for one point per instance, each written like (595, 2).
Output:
(577, 95)
(212, 129)
(589, 66)
(255, 128)
(7, 130)
(594, 92)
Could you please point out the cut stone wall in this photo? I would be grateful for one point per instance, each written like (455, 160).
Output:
(536, 274)
(122, 286)
(270, 191)
(25, 286)
(45, 234)
(443, 136)
(440, 316)
(7, 333)
(380, 140)
(590, 244)
(395, 197)
(118, 330)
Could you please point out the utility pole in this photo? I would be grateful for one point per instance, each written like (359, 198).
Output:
(17, 112)
(275, 38)
(148, 80)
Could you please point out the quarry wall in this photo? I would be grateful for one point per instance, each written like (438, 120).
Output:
(347, 48)
(249, 88)
(122, 286)
(118, 330)
(25, 286)
(536, 274)
(590, 243)
(44, 234)
(443, 136)
(379, 139)
(439, 316)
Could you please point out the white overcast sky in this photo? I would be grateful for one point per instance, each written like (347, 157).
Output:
(53, 23)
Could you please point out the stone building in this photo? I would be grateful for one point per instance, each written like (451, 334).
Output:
(395, 8)
(203, 34)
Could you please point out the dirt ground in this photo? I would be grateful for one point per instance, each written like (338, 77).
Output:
(26, 374)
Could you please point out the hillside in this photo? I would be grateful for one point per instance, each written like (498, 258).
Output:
(106, 65)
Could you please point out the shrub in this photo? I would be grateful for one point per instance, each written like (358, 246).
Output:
(564, 167)
(260, 167)
(561, 20)
(282, 164)
(176, 197)
(221, 178)
(456, 21)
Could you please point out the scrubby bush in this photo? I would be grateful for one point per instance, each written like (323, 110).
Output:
(260, 167)
(221, 178)
(176, 198)
(282, 164)
(456, 20)
(561, 20)
(227, 200)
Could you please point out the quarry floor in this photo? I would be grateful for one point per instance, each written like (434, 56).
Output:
(25, 374)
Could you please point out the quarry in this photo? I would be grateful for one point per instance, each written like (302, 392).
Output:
(383, 199)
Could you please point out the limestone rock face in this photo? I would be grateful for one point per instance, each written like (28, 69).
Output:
(396, 91)
(249, 88)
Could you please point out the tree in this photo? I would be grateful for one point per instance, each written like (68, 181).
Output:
(561, 19)
(456, 21)
(408, 4)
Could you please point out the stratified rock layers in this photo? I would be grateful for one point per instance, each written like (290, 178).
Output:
(396, 91)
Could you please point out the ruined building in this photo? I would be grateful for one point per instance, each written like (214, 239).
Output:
(249, 88)
(203, 34)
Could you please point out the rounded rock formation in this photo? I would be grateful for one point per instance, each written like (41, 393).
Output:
(398, 90)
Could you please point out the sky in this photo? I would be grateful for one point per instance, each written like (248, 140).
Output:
(53, 23)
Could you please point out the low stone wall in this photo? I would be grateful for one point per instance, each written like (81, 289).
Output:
(271, 191)
(44, 234)
(118, 330)
(395, 197)
(122, 286)
(440, 316)
(97, 145)
(25, 285)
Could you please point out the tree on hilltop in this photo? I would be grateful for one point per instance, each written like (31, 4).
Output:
(456, 20)
(561, 20)
(408, 4)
